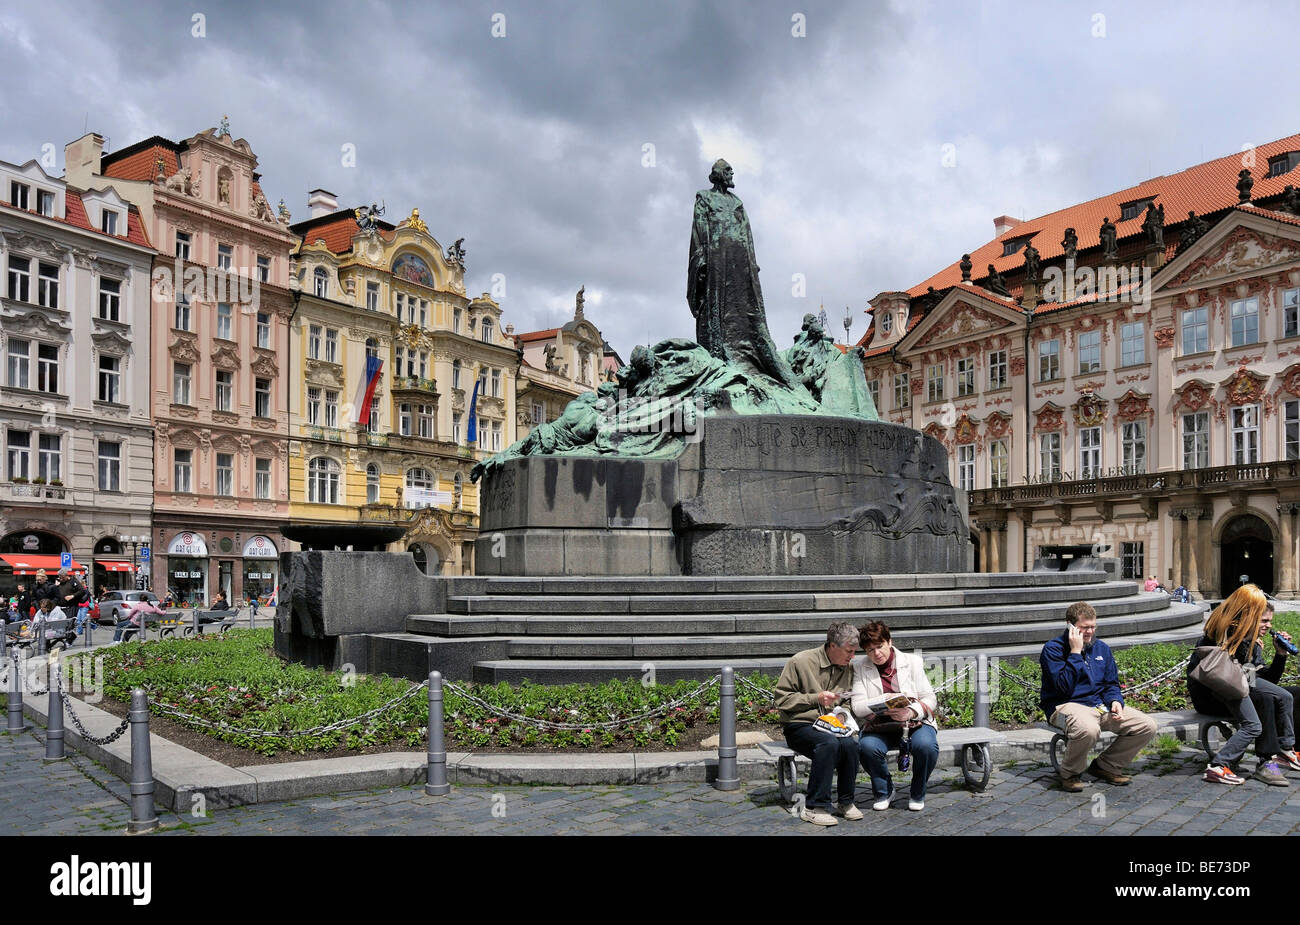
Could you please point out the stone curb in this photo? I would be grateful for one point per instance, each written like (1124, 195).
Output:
(180, 774)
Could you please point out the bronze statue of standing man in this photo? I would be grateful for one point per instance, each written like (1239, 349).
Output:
(722, 284)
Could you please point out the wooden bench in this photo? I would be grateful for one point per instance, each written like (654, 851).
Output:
(971, 744)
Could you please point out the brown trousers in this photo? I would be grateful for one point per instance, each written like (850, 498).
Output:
(1083, 725)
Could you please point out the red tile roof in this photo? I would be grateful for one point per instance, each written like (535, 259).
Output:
(337, 231)
(1204, 189)
(530, 336)
(142, 164)
(75, 215)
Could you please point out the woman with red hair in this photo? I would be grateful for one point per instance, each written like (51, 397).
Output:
(1235, 627)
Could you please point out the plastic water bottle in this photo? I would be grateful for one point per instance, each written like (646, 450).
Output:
(1289, 646)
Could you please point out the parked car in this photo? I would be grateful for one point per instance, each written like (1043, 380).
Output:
(112, 604)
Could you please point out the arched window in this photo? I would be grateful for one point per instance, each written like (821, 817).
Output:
(419, 488)
(372, 484)
(485, 330)
(322, 282)
(372, 348)
(322, 481)
(455, 374)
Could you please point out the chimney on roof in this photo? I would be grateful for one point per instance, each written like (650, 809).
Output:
(1004, 223)
(321, 202)
(81, 159)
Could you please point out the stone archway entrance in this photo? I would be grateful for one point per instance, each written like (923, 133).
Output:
(1246, 548)
(428, 558)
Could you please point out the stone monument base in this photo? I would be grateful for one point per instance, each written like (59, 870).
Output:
(749, 495)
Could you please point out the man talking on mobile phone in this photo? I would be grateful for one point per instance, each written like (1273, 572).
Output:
(1081, 695)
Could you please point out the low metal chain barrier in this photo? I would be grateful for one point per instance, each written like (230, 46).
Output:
(85, 733)
(291, 733)
(549, 724)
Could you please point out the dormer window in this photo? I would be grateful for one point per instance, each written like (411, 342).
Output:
(1133, 209)
(887, 322)
(45, 203)
(322, 282)
(108, 222)
(485, 330)
(1013, 246)
(1283, 163)
(19, 195)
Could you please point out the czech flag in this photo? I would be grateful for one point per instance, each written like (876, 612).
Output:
(471, 431)
(366, 394)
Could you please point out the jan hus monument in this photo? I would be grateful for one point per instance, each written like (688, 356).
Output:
(723, 455)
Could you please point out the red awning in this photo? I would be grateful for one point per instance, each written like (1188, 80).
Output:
(27, 565)
(114, 565)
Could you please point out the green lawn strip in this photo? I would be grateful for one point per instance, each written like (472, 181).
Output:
(236, 680)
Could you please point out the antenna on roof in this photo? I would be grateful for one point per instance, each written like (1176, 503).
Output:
(85, 123)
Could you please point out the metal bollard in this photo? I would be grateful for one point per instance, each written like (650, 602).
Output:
(15, 710)
(90, 632)
(194, 622)
(436, 776)
(143, 816)
(728, 772)
(982, 690)
(54, 715)
(251, 613)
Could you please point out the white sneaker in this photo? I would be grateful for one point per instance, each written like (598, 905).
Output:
(883, 803)
(850, 812)
(818, 817)
(916, 805)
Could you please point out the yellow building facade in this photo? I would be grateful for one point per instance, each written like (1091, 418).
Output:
(364, 287)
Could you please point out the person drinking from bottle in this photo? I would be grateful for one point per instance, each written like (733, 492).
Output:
(1266, 715)
(908, 727)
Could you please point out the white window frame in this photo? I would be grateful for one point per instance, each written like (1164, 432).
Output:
(1089, 452)
(313, 406)
(966, 466)
(1133, 343)
(225, 256)
(1049, 360)
(999, 464)
(264, 330)
(224, 395)
(934, 382)
(18, 363)
(1196, 441)
(997, 370)
(225, 321)
(18, 454)
(109, 380)
(1088, 347)
(1049, 456)
(902, 391)
(225, 475)
(183, 470)
(261, 478)
(323, 480)
(261, 398)
(110, 299)
(965, 377)
(1245, 322)
(1196, 329)
(47, 285)
(184, 242)
(182, 376)
(108, 467)
(1133, 447)
(1243, 421)
(1291, 430)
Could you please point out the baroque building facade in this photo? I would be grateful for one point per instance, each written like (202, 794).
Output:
(392, 291)
(74, 337)
(220, 329)
(1121, 380)
(559, 364)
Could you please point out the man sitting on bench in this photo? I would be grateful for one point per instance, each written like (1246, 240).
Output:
(1081, 695)
(813, 682)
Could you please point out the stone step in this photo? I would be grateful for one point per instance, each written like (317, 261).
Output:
(571, 671)
(743, 645)
(725, 602)
(561, 624)
(706, 584)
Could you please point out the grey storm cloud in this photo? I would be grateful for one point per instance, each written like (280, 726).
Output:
(531, 146)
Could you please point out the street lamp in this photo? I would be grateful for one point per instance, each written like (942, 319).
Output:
(136, 542)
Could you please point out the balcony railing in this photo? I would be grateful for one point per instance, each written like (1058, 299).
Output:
(414, 384)
(25, 491)
(1217, 478)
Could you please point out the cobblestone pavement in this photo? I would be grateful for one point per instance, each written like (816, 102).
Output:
(78, 797)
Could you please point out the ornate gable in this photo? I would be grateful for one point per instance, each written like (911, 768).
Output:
(184, 347)
(1048, 418)
(1244, 387)
(1134, 405)
(962, 320)
(1194, 394)
(1241, 250)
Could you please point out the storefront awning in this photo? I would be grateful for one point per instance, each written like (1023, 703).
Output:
(27, 565)
(113, 565)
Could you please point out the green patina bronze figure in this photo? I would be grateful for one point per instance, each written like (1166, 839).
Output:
(656, 404)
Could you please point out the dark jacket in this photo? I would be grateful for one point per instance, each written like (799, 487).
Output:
(220, 604)
(1089, 677)
(70, 594)
(1248, 653)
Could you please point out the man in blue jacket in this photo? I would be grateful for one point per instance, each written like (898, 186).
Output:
(1081, 695)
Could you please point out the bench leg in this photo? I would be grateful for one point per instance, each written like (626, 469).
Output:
(787, 782)
(1058, 742)
(1207, 726)
(976, 766)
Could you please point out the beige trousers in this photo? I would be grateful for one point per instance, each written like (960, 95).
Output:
(1083, 725)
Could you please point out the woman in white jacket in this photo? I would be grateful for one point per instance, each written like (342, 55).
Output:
(883, 669)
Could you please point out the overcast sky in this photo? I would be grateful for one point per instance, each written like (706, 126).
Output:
(532, 145)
